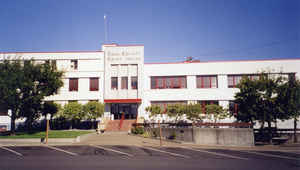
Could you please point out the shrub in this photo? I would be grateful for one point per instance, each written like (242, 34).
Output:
(137, 130)
(173, 135)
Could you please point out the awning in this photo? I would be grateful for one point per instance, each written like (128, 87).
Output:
(122, 100)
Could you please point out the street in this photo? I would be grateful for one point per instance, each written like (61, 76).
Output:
(125, 157)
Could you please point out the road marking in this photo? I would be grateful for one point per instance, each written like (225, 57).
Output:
(170, 153)
(17, 153)
(61, 150)
(112, 150)
(271, 155)
(218, 154)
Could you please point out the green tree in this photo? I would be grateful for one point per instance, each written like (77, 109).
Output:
(257, 99)
(23, 86)
(216, 113)
(289, 101)
(176, 111)
(154, 110)
(93, 110)
(73, 111)
(51, 108)
(194, 112)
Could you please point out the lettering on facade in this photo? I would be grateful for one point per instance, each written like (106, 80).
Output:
(123, 56)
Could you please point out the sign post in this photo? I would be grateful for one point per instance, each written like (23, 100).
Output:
(47, 128)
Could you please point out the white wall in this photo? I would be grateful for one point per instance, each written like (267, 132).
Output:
(223, 94)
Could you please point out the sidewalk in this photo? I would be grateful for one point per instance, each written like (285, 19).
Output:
(125, 139)
(122, 138)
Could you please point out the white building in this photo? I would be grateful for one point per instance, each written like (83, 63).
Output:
(119, 77)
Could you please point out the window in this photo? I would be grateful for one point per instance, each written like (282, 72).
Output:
(74, 64)
(94, 84)
(207, 81)
(204, 103)
(233, 80)
(114, 83)
(170, 82)
(134, 83)
(73, 84)
(124, 83)
(233, 107)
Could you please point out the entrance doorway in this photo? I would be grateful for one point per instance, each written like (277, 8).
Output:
(129, 110)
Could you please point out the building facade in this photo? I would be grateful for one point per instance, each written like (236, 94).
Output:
(118, 77)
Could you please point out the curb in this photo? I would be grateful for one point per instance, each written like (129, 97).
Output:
(163, 139)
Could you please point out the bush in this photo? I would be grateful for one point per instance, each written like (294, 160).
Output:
(173, 135)
(137, 130)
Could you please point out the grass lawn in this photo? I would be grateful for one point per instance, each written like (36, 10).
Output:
(52, 134)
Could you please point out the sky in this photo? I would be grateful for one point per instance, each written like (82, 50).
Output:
(170, 30)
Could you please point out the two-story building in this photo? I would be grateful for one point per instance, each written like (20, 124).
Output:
(118, 77)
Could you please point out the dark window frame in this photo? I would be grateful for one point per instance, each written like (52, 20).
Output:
(73, 84)
(134, 82)
(200, 81)
(94, 84)
(74, 63)
(168, 82)
(114, 86)
(124, 83)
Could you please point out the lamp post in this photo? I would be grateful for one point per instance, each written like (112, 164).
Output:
(160, 140)
(47, 128)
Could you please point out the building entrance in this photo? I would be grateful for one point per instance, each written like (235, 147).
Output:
(124, 110)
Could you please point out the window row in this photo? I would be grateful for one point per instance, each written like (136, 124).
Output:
(234, 80)
(124, 83)
(94, 84)
(174, 82)
(171, 82)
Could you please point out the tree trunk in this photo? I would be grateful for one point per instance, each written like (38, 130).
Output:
(295, 130)
(13, 124)
(270, 132)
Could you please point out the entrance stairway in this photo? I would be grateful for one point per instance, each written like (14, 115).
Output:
(119, 125)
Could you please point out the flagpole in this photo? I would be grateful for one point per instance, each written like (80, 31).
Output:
(105, 28)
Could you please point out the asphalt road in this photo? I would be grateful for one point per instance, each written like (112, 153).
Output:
(106, 157)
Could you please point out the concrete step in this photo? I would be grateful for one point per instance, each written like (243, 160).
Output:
(114, 125)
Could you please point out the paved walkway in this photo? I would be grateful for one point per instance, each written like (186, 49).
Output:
(122, 139)
(125, 139)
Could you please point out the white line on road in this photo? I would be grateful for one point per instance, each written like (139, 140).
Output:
(170, 153)
(215, 153)
(112, 150)
(17, 153)
(61, 150)
(271, 155)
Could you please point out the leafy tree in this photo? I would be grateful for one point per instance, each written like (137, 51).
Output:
(248, 101)
(23, 86)
(216, 113)
(73, 111)
(177, 111)
(51, 108)
(289, 101)
(194, 112)
(93, 110)
(154, 110)
(257, 100)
